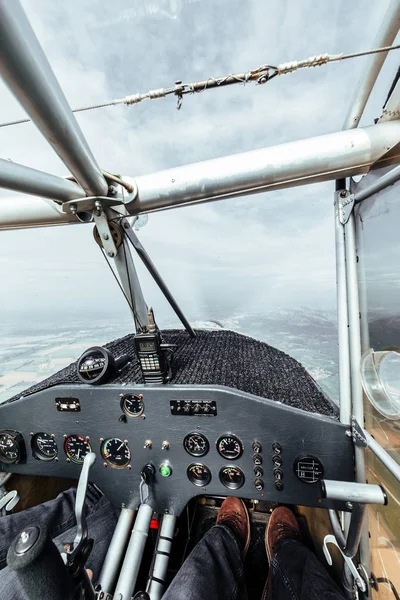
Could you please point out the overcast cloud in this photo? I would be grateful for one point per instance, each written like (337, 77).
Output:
(249, 254)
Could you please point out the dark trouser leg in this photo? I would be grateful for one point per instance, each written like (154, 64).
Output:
(213, 570)
(59, 516)
(296, 574)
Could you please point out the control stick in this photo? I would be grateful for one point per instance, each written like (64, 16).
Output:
(39, 565)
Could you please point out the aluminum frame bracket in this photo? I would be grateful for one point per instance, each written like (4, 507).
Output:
(358, 435)
(346, 205)
(103, 228)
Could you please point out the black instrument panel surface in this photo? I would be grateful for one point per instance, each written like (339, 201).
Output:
(249, 418)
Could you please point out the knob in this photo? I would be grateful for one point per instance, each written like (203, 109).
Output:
(277, 460)
(148, 444)
(165, 445)
(258, 471)
(257, 460)
(256, 447)
(259, 484)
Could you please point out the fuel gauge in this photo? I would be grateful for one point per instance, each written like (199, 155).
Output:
(199, 474)
(231, 477)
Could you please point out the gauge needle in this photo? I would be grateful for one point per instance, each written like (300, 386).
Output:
(78, 454)
(118, 449)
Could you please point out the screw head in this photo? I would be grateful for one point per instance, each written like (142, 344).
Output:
(110, 254)
(105, 236)
(348, 433)
(349, 505)
(343, 194)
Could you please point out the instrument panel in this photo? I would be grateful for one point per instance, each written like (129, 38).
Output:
(201, 440)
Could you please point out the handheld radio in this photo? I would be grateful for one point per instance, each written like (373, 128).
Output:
(154, 357)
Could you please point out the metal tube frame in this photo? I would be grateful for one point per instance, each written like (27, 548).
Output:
(132, 237)
(30, 181)
(158, 572)
(27, 72)
(134, 554)
(116, 551)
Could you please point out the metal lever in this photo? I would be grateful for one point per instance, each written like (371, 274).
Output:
(146, 477)
(330, 539)
(80, 513)
(9, 500)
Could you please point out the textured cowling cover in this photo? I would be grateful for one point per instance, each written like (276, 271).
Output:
(219, 357)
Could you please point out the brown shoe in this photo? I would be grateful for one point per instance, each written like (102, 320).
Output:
(282, 525)
(233, 513)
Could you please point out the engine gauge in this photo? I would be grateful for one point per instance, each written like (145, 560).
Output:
(199, 474)
(230, 447)
(231, 477)
(44, 446)
(12, 447)
(132, 405)
(196, 444)
(76, 447)
(115, 452)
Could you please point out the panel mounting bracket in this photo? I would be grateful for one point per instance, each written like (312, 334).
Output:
(346, 202)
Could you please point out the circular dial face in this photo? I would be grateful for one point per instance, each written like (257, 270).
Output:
(10, 447)
(196, 444)
(76, 447)
(231, 477)
(198, 474)
(132, 405)
(230, 447)
(92, 365)
(115, 452)
(44, 447)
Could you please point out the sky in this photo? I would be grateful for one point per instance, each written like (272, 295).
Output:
(252, 254)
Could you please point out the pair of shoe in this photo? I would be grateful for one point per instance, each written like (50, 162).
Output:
(282, 525)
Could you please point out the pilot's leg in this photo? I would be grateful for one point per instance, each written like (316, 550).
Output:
(59, 516)
(214, 569)
(294, 571)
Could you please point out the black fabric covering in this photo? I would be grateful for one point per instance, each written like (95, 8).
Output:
(220, 358)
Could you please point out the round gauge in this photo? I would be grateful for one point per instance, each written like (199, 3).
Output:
(44, 446)
(93, 365)
(231, 477)
(76, 447)
(12, 447)
(132, 405)
(199, 474)
(196, 444)
(115, 452)
(230, 447)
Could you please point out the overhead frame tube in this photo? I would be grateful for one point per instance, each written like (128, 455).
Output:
(385, 37)
(30, 181)
(27, 72)
(323, 158)
(380, 184)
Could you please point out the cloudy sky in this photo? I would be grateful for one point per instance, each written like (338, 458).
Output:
(258, 253)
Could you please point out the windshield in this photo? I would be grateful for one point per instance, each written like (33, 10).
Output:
(263, 265)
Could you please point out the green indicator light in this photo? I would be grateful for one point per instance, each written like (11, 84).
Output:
(165, 470)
